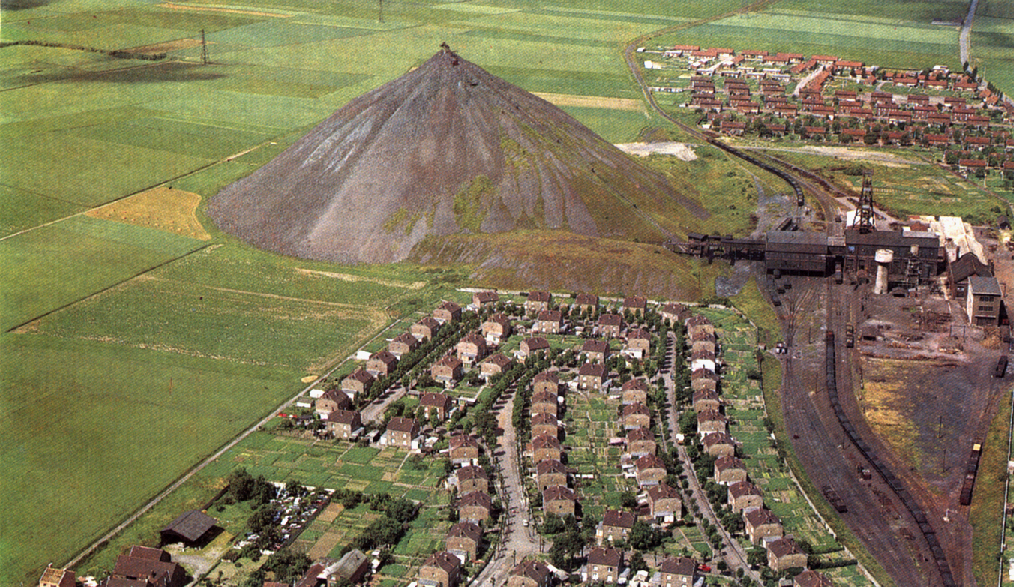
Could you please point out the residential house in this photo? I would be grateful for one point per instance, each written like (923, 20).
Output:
(677, 572)
(533, 345)
(744, 495)
(635, 416)
(530, 573)
(546, 381)
(447, 370)
(463, 540)
(485, 298)
(472, 348)
(635, 391)
(610, 325)
(701, 360)
(545, 402)
(595, 350)
(401, 432)
(664, 503)
(604, 564)
(983, 301)
(711, 421)
(344, 424)
(464, 448)
(311, 577)
(615, 526)
(442, 569)
(704, 385)
(494, 364)
(357, 383)
(635, 304)
(586, 302)
(696, 374)
(704, 347)
(549, 322)
(472, 478)
(546, 447)
(707, 399)
(381, 364)
(425, 329)
(650, 470)
(447, 312)
(496, 328)
(762, 524)
(538, 301)
(559, 500)
(640, 442)
(350, 569)
(545, 424)
(549, 473)
(331, 400)
(403, 344)
(55, 577)
(149, 566)
(435, 403)
(719, 444)
(475, 507)
(809, 578)
(729, 470)
(784, 554)
(591, 376)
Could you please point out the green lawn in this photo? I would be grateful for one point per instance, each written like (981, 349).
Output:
(90, 430)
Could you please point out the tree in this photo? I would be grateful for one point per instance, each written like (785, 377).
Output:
(637, 562)
(262, 519)
(644, 537)
(628, 499)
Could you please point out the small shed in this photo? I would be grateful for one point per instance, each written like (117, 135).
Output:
(189, 527)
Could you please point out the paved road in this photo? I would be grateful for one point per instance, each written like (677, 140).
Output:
(732, 552)
(517, 541)
(966, 28)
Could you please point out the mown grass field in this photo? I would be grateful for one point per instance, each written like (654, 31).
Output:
(891, 33)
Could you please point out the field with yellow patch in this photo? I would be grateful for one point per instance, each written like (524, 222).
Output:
(161, 208)
(592, 102)
(887, 403)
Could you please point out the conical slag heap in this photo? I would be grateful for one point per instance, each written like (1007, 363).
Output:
(447, 148)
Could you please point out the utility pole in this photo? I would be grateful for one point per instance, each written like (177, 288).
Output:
(204, 48)
(380, 11)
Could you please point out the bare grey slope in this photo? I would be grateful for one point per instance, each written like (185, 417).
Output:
(446, 148)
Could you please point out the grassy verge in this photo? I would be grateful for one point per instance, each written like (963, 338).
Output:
(987, 499)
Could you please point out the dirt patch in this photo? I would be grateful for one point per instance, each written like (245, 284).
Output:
(592, 101)
(331, 513)
(324, 545)
(681, 151)
(173, 6)
(354, 278)
(161, 208)
(165, 47)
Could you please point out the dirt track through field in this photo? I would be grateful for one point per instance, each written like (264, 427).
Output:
(173, 6)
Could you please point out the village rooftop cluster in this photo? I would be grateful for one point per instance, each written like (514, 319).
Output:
(827, 99)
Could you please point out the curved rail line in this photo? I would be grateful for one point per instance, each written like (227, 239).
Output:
(918, 514)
